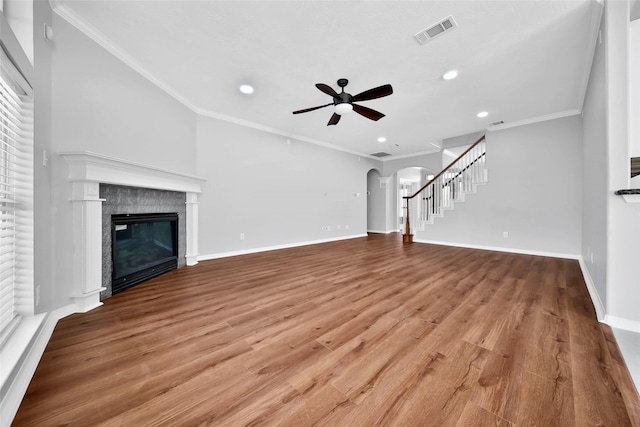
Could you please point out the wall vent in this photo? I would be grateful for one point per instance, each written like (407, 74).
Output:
(446, 24)
(381, 154)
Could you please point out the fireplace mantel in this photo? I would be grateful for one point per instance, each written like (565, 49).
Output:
(91, 167)
(86, 172)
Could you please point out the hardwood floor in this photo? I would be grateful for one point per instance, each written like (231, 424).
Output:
(360, 332)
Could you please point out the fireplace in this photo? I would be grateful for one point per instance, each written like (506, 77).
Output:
(130, 207)
(143, 246)
(88, 174)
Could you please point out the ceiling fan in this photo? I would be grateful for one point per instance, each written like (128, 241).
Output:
(344, 102)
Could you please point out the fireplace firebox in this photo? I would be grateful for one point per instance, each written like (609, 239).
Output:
(143, 246)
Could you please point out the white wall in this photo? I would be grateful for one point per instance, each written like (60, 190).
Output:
(274, 190)
(634, 93)
(634, 85)
(534, 193)
(594, 176)
(43, 232)
(432, 161)
(378, 199)
(453, 147)
(623, 219)
(19, 14)
(102, 105)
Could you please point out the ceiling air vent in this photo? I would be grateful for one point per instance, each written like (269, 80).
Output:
(501, 122)
(435, 30)
(381, 154)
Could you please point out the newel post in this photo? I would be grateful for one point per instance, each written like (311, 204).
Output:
(407, 237)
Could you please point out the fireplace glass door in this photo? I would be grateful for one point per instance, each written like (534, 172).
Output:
(144, 246)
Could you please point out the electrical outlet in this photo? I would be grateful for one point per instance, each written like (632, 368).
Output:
(241, 236)
(338, 227)
(346, 227)
(328, 228)
(505, 234)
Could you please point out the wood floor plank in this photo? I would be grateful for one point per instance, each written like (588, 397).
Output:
(488, 330)
(597, 398)
(423, 384)
(327, 401)
(361, 376)
(319, 374)
(473, 415)
(183, 402)
(360, 332)
(360, 325)
(619, 372)
(555, 397)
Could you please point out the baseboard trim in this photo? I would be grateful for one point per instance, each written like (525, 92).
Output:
(622, 323)
(500, 249)
(382, 232)
(276, 247)
(35, 337)
(601, 312)
(593, 293)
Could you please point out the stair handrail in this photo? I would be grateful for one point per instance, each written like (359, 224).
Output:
(408, 237)
(482, 138)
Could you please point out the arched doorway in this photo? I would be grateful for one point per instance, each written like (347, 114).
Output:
(377, 202)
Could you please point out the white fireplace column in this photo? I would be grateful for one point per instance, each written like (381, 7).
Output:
(86, 172)
(192, 228)
(87, 239)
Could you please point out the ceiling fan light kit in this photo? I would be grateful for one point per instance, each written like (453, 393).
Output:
(343, 108)
(343, 102)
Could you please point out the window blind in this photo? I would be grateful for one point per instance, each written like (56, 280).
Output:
(16, 194)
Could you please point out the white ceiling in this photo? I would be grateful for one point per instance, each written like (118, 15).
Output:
(518, 60)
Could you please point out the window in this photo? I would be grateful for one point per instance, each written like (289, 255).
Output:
(16, 196)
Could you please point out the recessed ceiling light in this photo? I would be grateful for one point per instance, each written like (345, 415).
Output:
(450, 75)
(483, 114)
(382, 139)
(248, 89)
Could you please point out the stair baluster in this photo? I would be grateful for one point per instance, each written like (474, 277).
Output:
(460, 177)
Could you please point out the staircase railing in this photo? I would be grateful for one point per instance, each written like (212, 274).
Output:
(459, 177)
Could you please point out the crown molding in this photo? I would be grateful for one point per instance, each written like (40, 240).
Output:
(94, 34)
(532, 120)
(405, 156)
(246, 123)
(66, 13)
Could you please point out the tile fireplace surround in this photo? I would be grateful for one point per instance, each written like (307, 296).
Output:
(89, 170)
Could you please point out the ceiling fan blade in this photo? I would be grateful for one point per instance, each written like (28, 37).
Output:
(368, 112)
(306, 110)
(327, 89)
(334, 119)
(377, 92)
